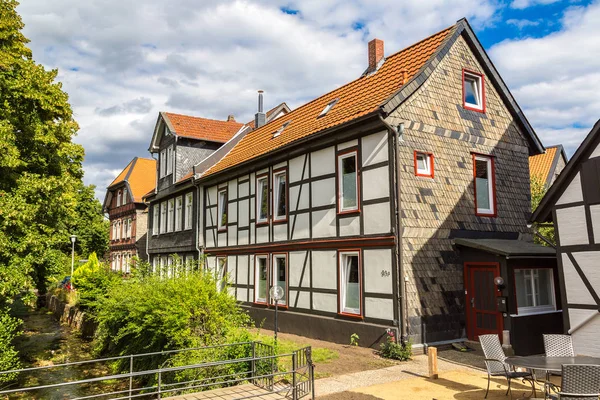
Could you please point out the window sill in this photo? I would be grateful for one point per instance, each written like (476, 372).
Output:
(424, 176)
(493, 215)
(474, 108)
(527, 314)
(280, 221)
(349, 212)
(262, 223)
(349, 315)
(222, 229)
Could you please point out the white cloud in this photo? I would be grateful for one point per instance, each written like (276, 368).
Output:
(555, 78)
(522, 23)
(521, 4)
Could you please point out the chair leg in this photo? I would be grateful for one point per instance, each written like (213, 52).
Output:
(488, 387)
(508, 390)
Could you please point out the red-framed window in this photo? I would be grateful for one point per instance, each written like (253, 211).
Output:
(261, 278)
(280, 276)
(473, 86)
(348, 182)
(222, 209)
(262, 199)
(484, 182)
(221, 273)
(280, 195)
(350, 296)
(424, 164)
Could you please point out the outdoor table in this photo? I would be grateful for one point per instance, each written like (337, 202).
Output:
(548, 364)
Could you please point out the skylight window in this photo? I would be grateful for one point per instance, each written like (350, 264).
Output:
(278, 132)
(328, 107)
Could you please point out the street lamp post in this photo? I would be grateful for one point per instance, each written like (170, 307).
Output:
(276, 293)
(73, 238)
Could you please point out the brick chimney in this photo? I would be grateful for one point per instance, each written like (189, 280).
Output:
(230, 118)
(375, 53)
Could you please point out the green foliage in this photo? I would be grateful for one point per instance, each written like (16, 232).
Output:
(149, 314)
(92, 281)
(8, 355)
(538, 190)
(90, 225)
(354, 339)
(396, 351)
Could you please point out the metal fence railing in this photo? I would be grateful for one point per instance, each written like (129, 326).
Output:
(204, 368)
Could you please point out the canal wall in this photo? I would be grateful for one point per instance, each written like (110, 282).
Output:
(71, 315)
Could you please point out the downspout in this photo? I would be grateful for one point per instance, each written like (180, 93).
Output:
(200, 211)
(401, 286)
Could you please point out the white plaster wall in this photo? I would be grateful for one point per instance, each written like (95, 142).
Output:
(242, 275)
(280, 165)
(589, 262)
(350, 143)
(322, 162)
(596, 152)
(211, 196)
(232, 266)
(595, 214)
(573, 192)
(232, 235)
(377, 218)
(577, 316)
(299, 273)
(379, 308)
(210, 235)
(299, 299)
(324, 224)
(374, 148)
(232, 189)
(585, 339)
(377, 266)
(294, 193)
(280, 232)
(295, 169)
(301, 228)
(324, 267)
(252, 207)
(232, 212)
(244, 189)
(571, 226)
(350, 226)
(323, 192)
(222, 239)
(244, 216)
(210, 263)
(243, 237)
(212, 217)
(577, 293)
(242, 294)
(262, 234)
(325, 302)
(375, 183)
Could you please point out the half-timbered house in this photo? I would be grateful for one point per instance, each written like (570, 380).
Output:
(573, 204)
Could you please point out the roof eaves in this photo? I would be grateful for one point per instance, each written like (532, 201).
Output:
(544, 209)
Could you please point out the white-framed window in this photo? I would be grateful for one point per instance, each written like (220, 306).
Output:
(189, 204)
(163, 217)
(118, 262)
(119, 230)
(163, 163)
(261, 278)
(280, 201)
(189, 263)
(485, 192)
(262, 199)
(350, 283)
(221, 273)
(178, 212)
(127, 259)
(280, 276)
(118, 198)
(170, 212)
(222, 208)
(473, 91)
(155, 264)
(535, 290)
(113, 265)
(170, 160)
(423, 164)
(155, 214)
(124, 198)
(114, 230)
(348, 182)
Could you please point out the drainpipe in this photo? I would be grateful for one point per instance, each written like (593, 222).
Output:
(401, 286)
(199, 209)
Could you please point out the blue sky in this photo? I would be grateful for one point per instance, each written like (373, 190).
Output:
(123, 61)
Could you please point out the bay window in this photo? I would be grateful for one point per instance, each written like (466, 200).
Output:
(485, 181)
(261, 279)
(262, 199)
(535, 290)
(350, 283)
(347, 171)
(280, 200)
(222, 209)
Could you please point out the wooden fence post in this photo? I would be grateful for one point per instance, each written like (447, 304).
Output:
(432, 362)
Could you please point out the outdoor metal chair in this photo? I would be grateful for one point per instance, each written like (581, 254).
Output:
(558, 346)
(579, 382)
(494, 362)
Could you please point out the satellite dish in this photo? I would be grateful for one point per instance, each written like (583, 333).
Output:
(276, 293)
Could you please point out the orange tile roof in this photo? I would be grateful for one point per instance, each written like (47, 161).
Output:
(540, 164)
(268, 115)
(140, 174)
(357, 98)
(203, 128)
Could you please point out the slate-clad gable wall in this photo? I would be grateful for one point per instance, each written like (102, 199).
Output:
(189, 153)
(435, 210)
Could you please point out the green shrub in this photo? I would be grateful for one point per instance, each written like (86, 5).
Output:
(9, 358)
(150, 314)
(354, 338)
(92, 282)
(391, 349)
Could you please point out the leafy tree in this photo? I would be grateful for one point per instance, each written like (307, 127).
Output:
(90, 226)
(92, 281)
(538, 190)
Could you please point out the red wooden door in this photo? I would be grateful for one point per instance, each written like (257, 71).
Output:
(482, 314)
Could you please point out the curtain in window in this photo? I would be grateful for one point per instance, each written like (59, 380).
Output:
(349, 182)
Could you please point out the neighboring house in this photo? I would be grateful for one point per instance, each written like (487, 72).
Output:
(352, 203)
(547, 166)
(573, 204)
(180, 142)
(127, 212)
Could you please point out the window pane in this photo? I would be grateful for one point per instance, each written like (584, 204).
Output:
(471, 95)
(222, 265)
(352, 290)
(482, 184)
(263, 189)
(281, 193)
(222, 209)
(545, 287)
(349, 182)
(261, 293)
(280, 276)
(422, 162)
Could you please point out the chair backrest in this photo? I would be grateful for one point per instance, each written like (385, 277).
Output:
(558, 346)
(492, 349)
(581, 380)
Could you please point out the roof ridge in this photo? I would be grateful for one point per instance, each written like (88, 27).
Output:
(208, 119)
(422, 40)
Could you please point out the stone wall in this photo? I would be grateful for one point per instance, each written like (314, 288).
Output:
(70, 315)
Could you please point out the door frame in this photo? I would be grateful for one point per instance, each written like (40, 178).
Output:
(470, 328)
